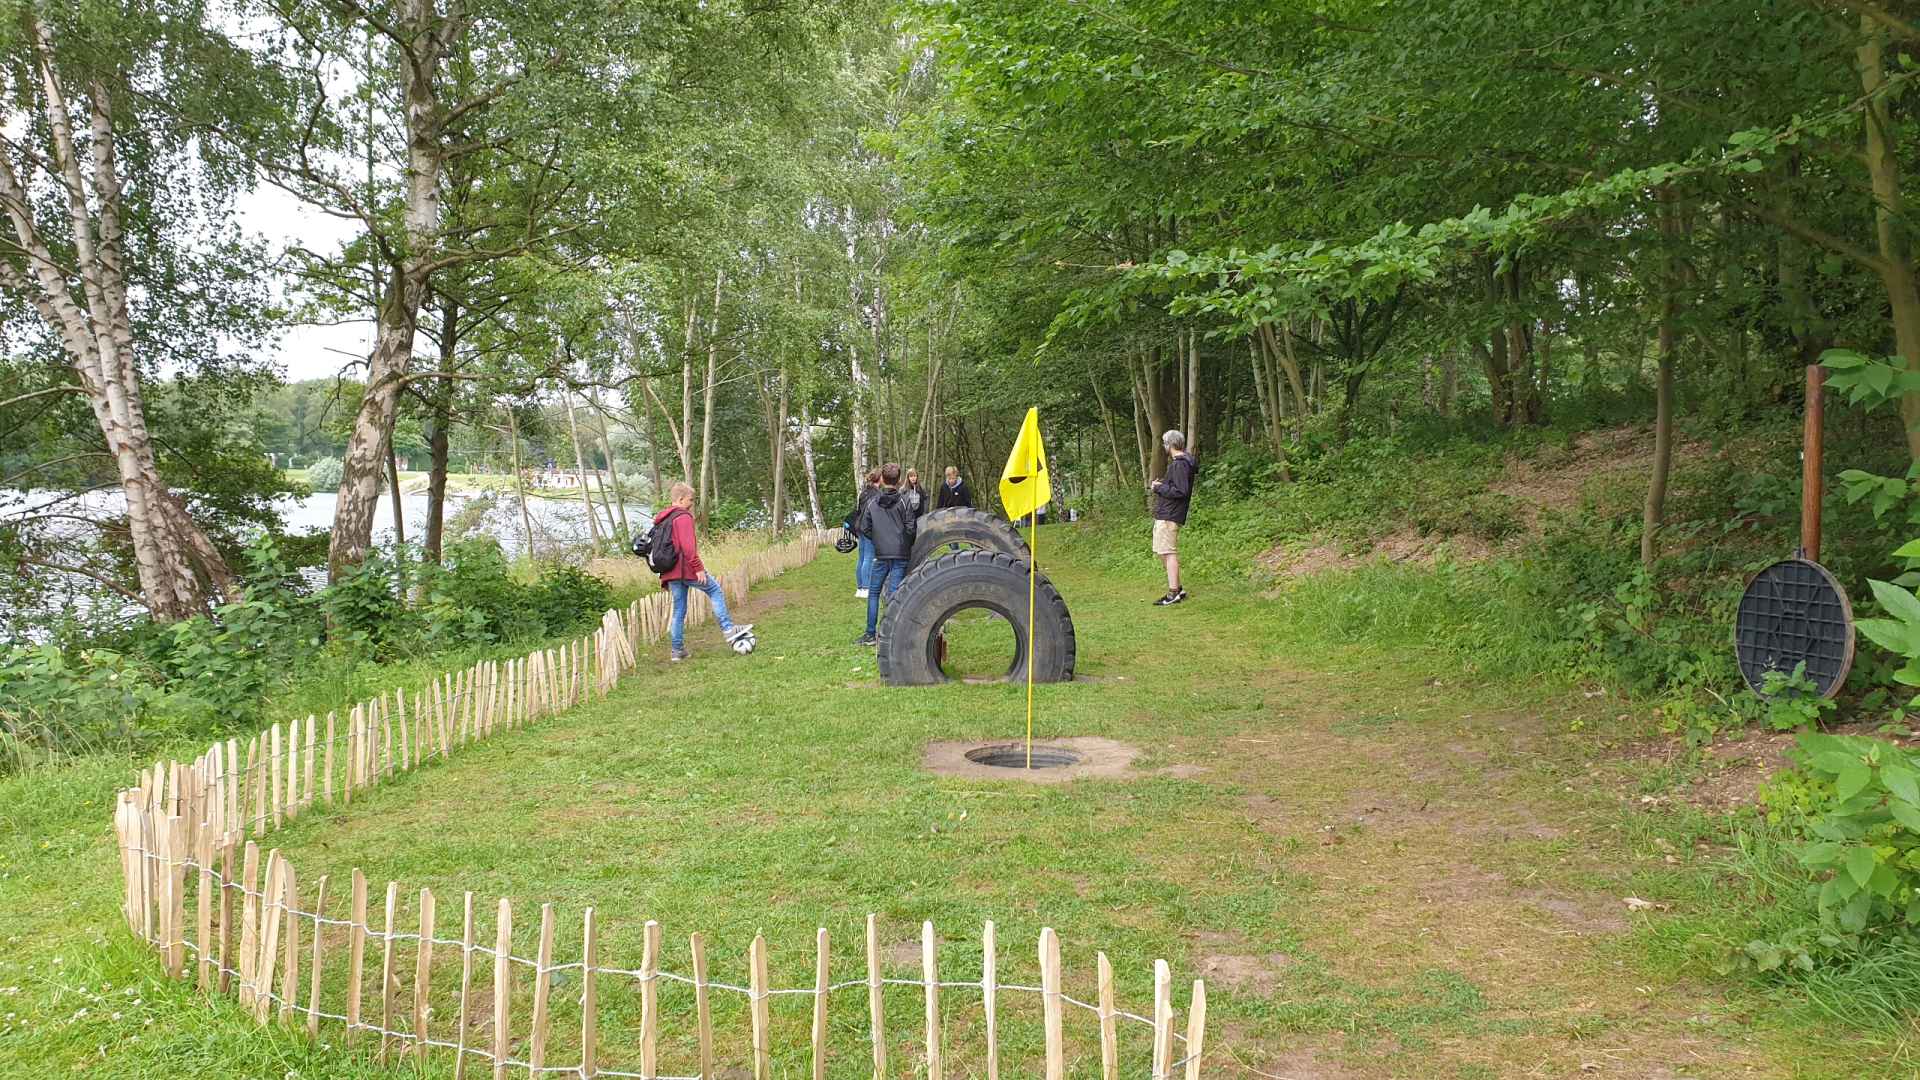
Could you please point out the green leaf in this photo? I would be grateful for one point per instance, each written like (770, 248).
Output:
(1888, 634)
(1860, 863)
(1900, 603)
(1902, 781)
(1905, 813)
(1851, 781)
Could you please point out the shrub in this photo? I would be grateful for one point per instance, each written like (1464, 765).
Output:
(567, 597)
(325, 474)
(1856, 802)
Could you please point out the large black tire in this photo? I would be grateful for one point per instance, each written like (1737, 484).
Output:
(969, 528)
(909, 650)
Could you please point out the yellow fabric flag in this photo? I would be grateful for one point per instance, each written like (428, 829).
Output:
(1025, 486)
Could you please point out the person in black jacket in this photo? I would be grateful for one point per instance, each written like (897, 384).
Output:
(1171, 495)
(954, 492)
(889, 522)
(863, 567)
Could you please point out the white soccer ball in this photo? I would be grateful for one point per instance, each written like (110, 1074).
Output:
(743, 644)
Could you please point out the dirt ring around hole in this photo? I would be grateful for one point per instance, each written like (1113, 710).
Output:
(1100, 759)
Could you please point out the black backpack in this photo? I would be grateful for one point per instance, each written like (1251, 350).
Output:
(656, 545)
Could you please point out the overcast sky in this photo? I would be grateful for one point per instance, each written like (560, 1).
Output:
(305, 352)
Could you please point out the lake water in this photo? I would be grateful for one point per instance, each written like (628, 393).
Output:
(557, 525)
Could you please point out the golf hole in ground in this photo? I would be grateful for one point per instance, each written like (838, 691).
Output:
(1014, 756)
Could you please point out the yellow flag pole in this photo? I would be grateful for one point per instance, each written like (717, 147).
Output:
(1033, 562)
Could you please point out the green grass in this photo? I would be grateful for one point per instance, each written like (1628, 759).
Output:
(1391, 865)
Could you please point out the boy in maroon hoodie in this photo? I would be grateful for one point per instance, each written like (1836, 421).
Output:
(690, 573)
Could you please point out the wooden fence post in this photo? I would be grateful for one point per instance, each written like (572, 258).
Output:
(313, 962)
(422, 976)
(990, 996)
(1050, 1003)
(703, 1008)
(356, 951)
(502, 987)
(249, 920)
(290, 961)
(876, 1009)
(820, 983)
(388, 983)
(1162, 1020)
(930, 974)
(273, 904)
(650, 1001)
(466, 986)
(542, 994)
(1109, 1031)
(757, 984)
(1196, 1029)
(589, 997)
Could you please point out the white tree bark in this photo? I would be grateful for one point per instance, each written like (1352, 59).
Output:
(177, 566)
(430, 38)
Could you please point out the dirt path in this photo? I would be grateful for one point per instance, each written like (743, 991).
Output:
(1450, 854)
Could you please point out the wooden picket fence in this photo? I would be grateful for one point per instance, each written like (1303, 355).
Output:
(193, 829)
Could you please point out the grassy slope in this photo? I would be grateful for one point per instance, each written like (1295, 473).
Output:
(1403, 876)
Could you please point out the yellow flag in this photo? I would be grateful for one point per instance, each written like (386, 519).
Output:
(1025, 486)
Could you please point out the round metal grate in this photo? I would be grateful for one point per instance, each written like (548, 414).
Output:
(1794, 612)
(1014, 756)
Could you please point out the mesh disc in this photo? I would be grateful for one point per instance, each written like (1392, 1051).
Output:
(1794, 611)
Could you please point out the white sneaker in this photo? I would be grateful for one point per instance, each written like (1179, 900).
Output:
(739, 631)
(861, 593)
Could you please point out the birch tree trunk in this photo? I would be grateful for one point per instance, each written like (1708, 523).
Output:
(177, 566)
(430, 36)
(580, 467)
(706, 398)
(806, 464)
(520, 479)
(859, 413)
(613, 467)
(780, 458)
(1895, 262)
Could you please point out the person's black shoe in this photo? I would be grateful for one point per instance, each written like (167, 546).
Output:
(1173, 596)
(867, 639)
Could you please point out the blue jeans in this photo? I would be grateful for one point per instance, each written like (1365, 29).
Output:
(886, 578)
(714, 595)
(863, 570)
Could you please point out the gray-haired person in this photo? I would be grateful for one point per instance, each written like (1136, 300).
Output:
(1171, 494)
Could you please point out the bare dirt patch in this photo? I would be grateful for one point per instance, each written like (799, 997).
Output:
(1102, 759)
(1400, 546)
(1225, 960)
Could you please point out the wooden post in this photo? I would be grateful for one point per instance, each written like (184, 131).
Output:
(1050, 1004)
(1109, 1031)
(275, 767)
(990, 996)
(876, 1009)
(650, 1001)
(176, 868)
(1811, 451)
(757, 983)
(352, 767)
(249, 920)
(502, 987)
(226, 915)
(290, 960)
(422, 974)
(273, 905)
(388, 983)
(542, 994)
(400, 722)
(466, 986)
(306, 785)
(356, 948)
(1196, 1029)
(703, 1008)
(327, 773)
(1162, 1020)
(930, 973)
(290, 795)
(820, 984)
(203, 910)
(589, 997)
(313, 962)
